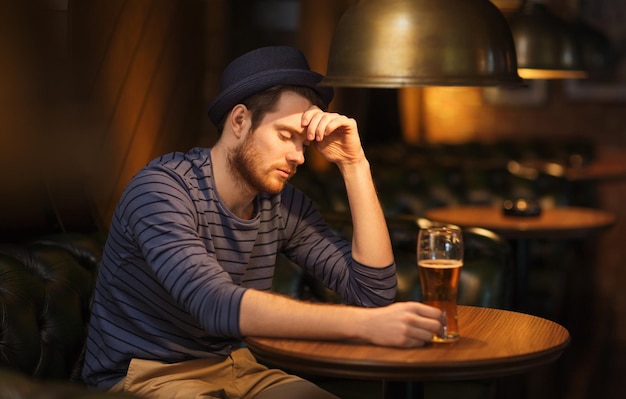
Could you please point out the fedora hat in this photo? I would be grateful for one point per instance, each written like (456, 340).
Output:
(262, 69)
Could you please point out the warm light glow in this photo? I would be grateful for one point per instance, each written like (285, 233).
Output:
(451, 113)
(402, 23)
(410, 104)
(530, 73)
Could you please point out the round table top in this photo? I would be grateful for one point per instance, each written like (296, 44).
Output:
(493, 343)
(558, 222)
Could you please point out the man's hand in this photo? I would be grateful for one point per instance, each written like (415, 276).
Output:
(335, 136)
(403, 324)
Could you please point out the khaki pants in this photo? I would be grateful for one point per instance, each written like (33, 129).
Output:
(239, 376)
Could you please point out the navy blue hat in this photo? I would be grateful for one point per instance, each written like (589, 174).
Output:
(262, 69)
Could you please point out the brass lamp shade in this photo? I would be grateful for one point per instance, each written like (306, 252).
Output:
(546, 46)
(396, 43)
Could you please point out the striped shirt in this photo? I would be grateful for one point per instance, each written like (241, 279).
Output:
(177, 262)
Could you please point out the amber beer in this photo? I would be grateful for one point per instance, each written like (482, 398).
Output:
(439, 260)
(440, 282)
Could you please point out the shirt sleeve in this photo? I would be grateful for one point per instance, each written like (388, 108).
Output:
(161, 217)
(312, 244)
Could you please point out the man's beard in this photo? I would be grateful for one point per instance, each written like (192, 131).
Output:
(245, 164)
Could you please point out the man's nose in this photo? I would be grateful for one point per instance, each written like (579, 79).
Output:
(296, 156)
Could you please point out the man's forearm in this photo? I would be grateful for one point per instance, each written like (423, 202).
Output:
(402, 324)
(274, 315)
(371, 244)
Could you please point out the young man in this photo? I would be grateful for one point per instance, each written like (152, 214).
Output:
(188, 265)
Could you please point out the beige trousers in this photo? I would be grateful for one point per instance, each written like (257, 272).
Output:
(238, 376)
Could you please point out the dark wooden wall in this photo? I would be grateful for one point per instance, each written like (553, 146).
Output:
(139, 62)
(104, 87)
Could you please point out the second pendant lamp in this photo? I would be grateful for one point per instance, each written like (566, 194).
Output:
(547, 47)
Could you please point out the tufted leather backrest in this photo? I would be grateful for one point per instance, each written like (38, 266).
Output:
(45, 292)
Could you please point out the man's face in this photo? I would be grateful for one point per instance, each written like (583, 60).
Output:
(268, 156)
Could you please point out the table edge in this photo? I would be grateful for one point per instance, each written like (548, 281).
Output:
(362, 369)
(521, 233)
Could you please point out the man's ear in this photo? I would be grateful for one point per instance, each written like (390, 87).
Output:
(239, 120)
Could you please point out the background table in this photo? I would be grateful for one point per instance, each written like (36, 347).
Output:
(598, 170)
(493, 343)
(557, 223)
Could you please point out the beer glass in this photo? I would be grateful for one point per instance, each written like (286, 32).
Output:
(439, 259)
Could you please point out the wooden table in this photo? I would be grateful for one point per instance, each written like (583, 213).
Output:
(557, 223)
(493, 343)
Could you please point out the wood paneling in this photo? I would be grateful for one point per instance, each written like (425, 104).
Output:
(23, 201)
(139, 63)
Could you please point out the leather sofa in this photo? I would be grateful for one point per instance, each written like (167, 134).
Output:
(45, 292)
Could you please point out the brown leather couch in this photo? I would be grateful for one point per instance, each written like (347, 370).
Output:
(46, 286)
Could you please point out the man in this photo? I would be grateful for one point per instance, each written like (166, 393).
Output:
(187, 268)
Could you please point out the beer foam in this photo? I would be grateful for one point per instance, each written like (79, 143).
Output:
(440, 263)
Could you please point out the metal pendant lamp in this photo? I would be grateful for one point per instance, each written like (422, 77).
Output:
(397, 43)
(547, 47)
(598, 53)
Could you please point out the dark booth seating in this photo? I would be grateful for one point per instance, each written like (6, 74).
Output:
(45, 292)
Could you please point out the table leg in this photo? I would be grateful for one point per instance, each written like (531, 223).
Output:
(403, 389)
(521, 275)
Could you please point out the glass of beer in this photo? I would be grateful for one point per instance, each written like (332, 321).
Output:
(439, 259)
